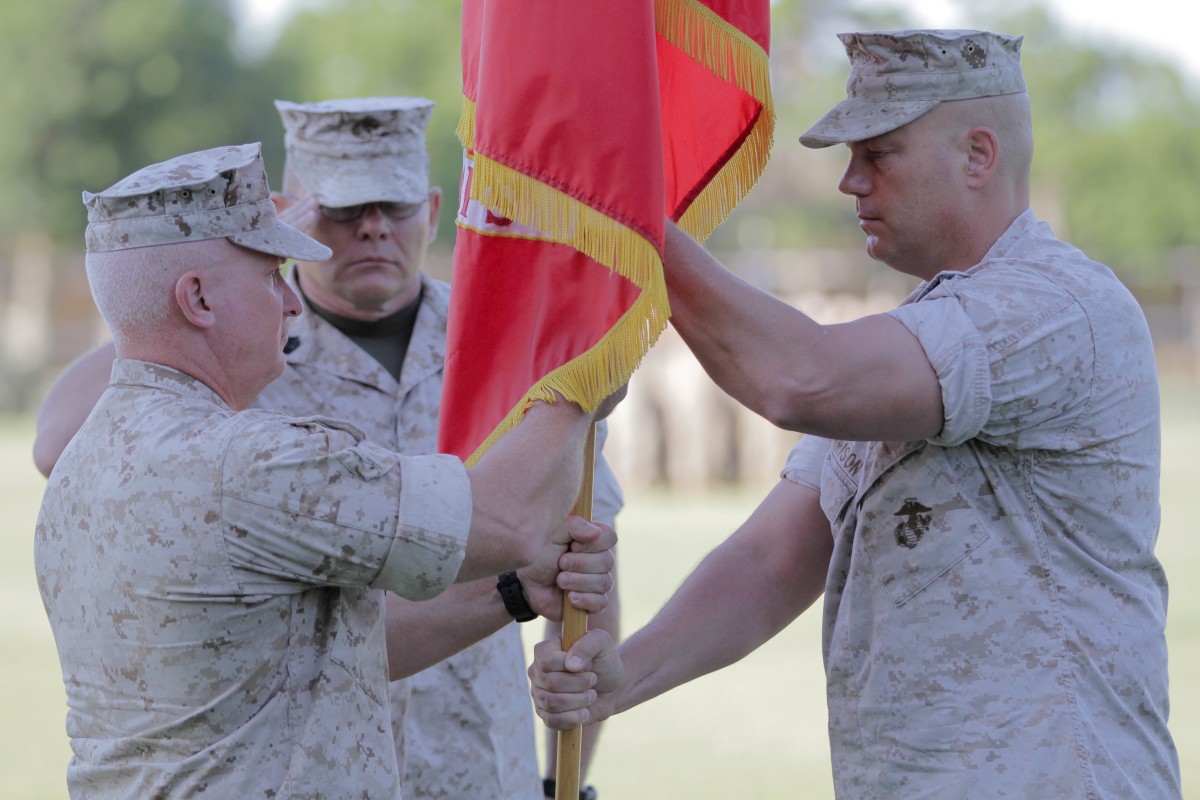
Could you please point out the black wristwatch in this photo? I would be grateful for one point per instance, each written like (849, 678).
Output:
(549, 787)
(513, 595)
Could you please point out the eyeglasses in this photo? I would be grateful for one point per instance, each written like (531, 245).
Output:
(396, 211)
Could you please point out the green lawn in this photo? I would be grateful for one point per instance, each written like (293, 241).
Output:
(756, 729)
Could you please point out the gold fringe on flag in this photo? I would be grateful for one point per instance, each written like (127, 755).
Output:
(564, 219)
(708, 39)
(596, 373)
(466, 124)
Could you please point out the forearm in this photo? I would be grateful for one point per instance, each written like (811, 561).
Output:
(575, 563)
(67, 404)
(523, 488)
(752, 352)
(744, 592)
(697, 632)
(420, 634)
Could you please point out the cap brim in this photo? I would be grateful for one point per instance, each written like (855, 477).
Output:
(854, 120)
(284, 241)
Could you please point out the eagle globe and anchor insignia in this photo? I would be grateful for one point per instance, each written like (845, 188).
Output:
(915, 524)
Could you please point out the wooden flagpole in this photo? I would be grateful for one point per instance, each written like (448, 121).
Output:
(574, 626)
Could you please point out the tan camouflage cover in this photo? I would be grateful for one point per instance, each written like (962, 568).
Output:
(359, 150)
(212, 194)
(896, 76)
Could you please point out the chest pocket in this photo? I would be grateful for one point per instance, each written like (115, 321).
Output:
(913, 509)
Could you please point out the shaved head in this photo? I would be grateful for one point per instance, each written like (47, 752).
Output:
(134, 289)
(1009, 116)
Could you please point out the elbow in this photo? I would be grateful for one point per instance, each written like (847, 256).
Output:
(790, 406)
(785, 417)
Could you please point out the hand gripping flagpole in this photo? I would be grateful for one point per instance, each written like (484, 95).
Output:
(569, 147)
(574, 626)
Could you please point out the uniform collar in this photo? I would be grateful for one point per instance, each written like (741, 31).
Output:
(1014, 235)
(314, 343)
(146, 374)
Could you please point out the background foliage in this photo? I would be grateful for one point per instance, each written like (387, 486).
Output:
(107, 86)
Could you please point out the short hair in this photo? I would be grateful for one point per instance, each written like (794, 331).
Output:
(1009, 116)
(134, 289)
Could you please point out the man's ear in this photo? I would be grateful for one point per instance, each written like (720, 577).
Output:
(983, 155)
(280, 200)
(189, 296)
(435, 210)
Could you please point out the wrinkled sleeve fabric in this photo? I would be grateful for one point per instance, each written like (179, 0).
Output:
(607, 498)
(958, 357)
(805, 461)
(435, 517)
(309, 502)
(1014, 352)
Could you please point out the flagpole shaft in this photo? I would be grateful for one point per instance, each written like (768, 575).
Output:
(574, 626)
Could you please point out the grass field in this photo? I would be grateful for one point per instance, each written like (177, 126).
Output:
(756, 729)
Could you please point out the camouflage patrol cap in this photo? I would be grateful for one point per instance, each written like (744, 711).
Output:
(896, 76)
(359, 150)
(212, 194)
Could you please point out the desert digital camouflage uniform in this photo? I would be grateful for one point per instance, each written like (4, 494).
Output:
(464, 727)
(994, 612)
(214, 582)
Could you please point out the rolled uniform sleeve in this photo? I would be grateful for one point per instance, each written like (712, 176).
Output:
(805, 461)
(958, 357)
(310, 502)
(435, 518)
(1013, 351)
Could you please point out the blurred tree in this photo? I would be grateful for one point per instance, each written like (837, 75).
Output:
(107, 86)
(98, 88)
(1116, 137)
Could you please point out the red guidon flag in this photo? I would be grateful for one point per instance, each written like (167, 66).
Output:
(584, 126)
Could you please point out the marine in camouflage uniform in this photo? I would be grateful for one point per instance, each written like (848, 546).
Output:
(173, 526)
(464, 727)
(977, 491)
(473, 733)
(212, 578)
(994, 611)
(972, 644)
